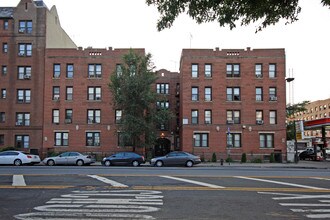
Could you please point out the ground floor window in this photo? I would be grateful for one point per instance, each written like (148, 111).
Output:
(266, 140)
(61, 138)
(22, 141)
(201, 139)
(234, 140)
(93, 138)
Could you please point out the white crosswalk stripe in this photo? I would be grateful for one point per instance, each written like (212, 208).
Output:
(108, 181)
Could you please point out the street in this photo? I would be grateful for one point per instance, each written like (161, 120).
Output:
(95, 192)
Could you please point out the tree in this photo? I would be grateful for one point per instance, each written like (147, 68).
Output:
(131, 87)
(228, 12)
(290, 111)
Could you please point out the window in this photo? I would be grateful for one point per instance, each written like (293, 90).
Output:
(119, 116)
(259, 115)
(266, 140)
(4, 70)
(25, 50)
(233, 94)
(233, 140)
(194, 70)
(94, 93)
(24, 72)
(56, 70)
(132, 70)
(233, 70)
(69, 71)
(194, 94)
(2, 139)
(163, 104)
(208, 117)
(69, 93)
(56, 116)
(162, 88)
(272, 70)
(258, 70)
(208, 94)
(93, 116)
(94, 70)
(68, 116)
(208, 70)
(61, 139)
(3, 93)
(233, 117)
(4, 47)
(119, 70)
(93, 138)
(23, 95)
(272, 94)
(194, 117)
(5, 24)
(2, 117)
(201, 139)
(259, 95)
(25, 27)
(23, 119)
(56, 93)
(272, 117)
(22, 141)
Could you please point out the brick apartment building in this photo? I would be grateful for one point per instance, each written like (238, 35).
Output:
(55, 95)
(233, 102)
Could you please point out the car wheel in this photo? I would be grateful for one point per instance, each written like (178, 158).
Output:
(135, 163)
(107, 163)
(17, 162)
(80, 163)
(189, 163)
(159, 163)
(50, 162)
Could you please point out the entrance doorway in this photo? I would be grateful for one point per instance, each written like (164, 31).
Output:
(162, 147)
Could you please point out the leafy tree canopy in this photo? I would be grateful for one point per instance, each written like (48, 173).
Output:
(228, 12)
(292, 109)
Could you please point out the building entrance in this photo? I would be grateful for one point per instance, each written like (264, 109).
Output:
(162, 147)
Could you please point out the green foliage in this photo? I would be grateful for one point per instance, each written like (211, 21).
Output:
(133, 94)
(229, 12)
(243, 158)
(256, 160)
(290, 111)
(214, 157)
(272, 158)
(229, 160)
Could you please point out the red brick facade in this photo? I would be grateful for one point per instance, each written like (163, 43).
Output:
(245, 80)
(70, 105)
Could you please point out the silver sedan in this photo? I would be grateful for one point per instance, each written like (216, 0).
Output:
(69, 158)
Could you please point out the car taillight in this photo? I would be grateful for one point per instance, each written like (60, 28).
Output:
(142, 157)
(29, 156)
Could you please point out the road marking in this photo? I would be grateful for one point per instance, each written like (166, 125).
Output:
(194, 182)
(107, 181)
(305, 204)
(320, 178)
(136, 204)
(280, 183)
(18, 180)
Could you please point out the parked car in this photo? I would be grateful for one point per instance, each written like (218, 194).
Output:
(176, 158)
(124, 158)
(69, 158)
(18, 158)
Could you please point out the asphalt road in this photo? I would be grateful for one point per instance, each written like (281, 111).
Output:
(93, 192)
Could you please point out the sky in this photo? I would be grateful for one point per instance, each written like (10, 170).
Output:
(132, 24)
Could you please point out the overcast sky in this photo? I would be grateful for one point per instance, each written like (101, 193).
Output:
(131, 23)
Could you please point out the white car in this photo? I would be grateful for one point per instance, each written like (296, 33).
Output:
(18, 158)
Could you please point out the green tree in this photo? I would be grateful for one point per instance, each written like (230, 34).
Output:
(228, 12)
(131, 87)
(290, 111)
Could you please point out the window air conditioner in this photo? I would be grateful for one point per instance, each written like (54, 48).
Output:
(230, 121)
(259, 122)
(273, 98)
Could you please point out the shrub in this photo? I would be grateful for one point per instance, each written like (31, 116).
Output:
(229, 160)
(272, 158)
(256, 160)
(243, 159)
(8, 148)
(214, 157)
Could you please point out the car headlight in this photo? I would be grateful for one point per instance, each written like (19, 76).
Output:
(153, 160)
(104, 159)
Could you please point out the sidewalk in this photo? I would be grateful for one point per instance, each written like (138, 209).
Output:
(301, 164)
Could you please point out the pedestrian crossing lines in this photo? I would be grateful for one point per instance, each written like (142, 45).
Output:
(311, 206)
